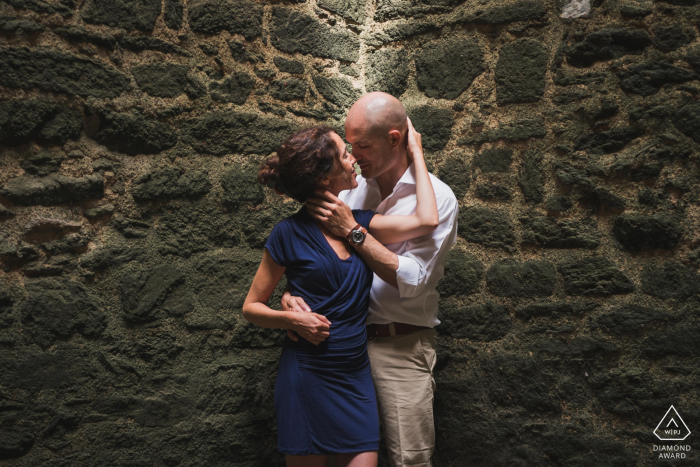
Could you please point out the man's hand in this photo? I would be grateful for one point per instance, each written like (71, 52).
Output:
(329, 209)
(312, 327)
(292, 303)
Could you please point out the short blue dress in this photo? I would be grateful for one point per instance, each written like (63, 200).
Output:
(324, 395)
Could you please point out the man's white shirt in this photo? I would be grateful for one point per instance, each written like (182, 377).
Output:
(421, 260)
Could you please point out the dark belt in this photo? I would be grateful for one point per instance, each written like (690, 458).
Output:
(385, 330)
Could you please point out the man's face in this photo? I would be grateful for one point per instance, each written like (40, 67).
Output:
(372, 150)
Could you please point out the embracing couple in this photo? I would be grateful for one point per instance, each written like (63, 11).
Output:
(362, 259)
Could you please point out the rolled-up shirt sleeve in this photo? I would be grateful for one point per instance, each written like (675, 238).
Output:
(417, 263)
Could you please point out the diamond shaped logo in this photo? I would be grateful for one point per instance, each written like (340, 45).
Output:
(672, 427)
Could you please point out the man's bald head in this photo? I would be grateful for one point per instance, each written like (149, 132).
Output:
(378, 113)
(376, 127)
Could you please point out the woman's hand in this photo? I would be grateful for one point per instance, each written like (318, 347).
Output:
(415, 148)
(311, 326)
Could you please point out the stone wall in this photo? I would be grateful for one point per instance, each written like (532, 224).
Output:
(131, 223)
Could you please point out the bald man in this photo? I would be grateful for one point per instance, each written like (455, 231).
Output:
(403, 300)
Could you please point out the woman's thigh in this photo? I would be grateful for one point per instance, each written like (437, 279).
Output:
(357, 459)
(306, 461)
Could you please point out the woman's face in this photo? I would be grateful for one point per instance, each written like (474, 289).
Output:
(344, 176)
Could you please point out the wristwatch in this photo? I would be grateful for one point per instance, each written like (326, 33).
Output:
(357, 235)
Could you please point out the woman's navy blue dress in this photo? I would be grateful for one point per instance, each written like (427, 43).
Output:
(324, 395)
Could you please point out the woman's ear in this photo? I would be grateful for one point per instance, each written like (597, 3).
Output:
(325, 183)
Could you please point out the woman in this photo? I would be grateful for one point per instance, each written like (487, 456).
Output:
(324, 396)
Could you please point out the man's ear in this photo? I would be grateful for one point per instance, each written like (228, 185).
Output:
(395, 138)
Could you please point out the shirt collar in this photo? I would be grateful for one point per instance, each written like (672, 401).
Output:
(408, 177)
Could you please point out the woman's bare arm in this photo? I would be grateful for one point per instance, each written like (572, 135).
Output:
(311, 326)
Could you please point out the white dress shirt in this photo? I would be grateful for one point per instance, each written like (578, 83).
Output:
(421, 260)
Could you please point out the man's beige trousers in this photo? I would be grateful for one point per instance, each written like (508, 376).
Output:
(402, 370)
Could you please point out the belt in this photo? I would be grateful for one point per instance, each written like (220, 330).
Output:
(392, 329)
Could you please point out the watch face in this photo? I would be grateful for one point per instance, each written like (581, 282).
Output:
(357, 236)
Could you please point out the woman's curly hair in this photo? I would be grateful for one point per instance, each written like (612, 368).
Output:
(302, 161)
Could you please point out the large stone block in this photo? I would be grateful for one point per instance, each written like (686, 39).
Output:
(400, 31)
(671, 280)
(587, 346)
(687, 120)
(155, 294)
(517, 381)
(434, 124)
(339, 91)
(53, 189)
(62, 370)
(680, 340)
(494, 159)
(637, 232)
(390, 9)
(444, 69)
(522, 10)
(486, 227)
(15, 441)
(170, 182)
(457, 174)
(462, 276)
(235, 16)
(491, 190)
(288, 89)
(288, 66)
(387, 71)
(594, 275)
(221, 278)
(58, 308)
(630, 319)
(133, 133)
(9, 24)
(555, 311)
(22, 121)
(355, 10)
(550, 232)
(125, 14)
(296, 32)
(62, 7)
(235, 88)
(51, 70)
(484, 322)
(241, 186)
(517, 130)
(164, 79)
(606, 142)
(647, 78)
(531, 177)
(606, 44)
(520, 72)
(174, 13)
(668, 38)
(631, 392)
(510, 278)
(222, 132)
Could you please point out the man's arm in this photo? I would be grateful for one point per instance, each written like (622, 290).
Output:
(407, 272)
(416, 264)
(383, 262)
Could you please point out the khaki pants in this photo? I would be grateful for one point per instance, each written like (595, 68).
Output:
(402, 370)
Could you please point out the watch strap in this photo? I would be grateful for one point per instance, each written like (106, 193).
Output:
(357, 227)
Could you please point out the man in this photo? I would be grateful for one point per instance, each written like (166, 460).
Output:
(403, 299)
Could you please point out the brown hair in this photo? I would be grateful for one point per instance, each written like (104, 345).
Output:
(302, 161)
